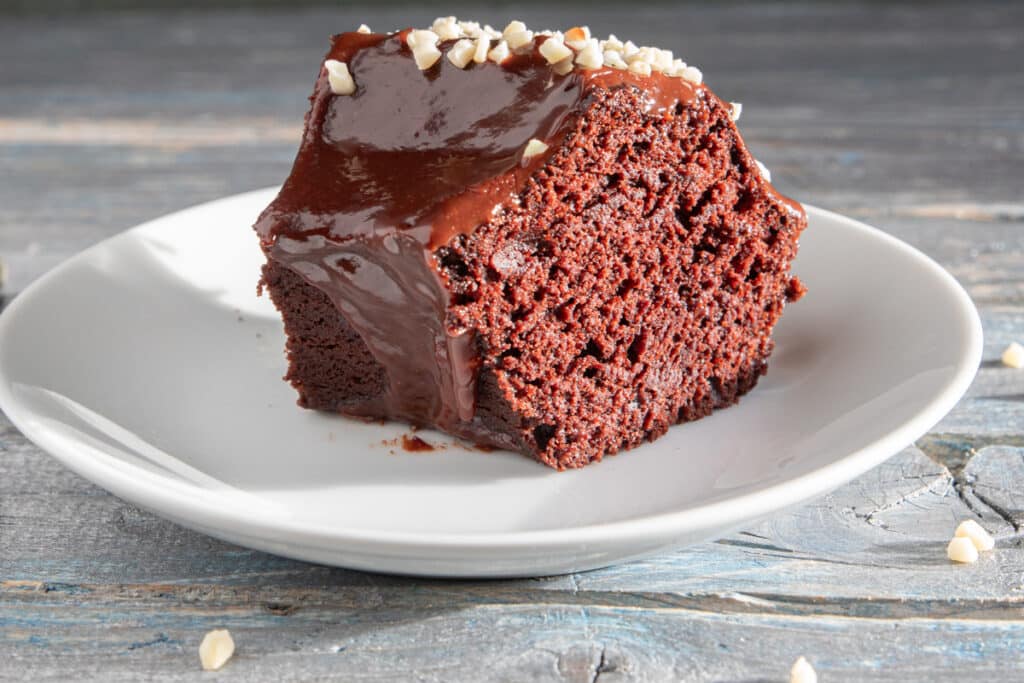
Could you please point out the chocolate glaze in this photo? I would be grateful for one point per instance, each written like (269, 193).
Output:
(387, 175)
(414, 444)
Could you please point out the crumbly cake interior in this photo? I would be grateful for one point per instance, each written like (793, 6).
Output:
(634, 286)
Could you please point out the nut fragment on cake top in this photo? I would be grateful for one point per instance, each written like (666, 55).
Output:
(538, 241)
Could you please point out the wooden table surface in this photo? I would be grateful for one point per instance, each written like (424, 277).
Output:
(908, 116)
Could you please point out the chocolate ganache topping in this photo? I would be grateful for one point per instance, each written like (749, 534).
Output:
(412, 158)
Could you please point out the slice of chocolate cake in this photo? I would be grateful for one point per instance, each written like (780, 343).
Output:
(540, 242)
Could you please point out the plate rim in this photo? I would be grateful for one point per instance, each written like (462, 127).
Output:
(167, 496)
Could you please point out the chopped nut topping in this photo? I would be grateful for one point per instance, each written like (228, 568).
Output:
(614, 60)
(1013, 356)
(216, 649)
(664, 61)
(461, 53)
(554, 50)
(499, 53)
(363, 28)
(519, 39)
(470, 29)
(577, 37)
(533, 148)
(447, 28)
(678, 67)
(590, 55)
(961, 549)
(339, 78)
(802, 672)
(424, 48)
(513, 27)
(641, 67)
(426, 56)
(563, 67)
(660, 60)
(981, 539)
(693, 75)
(421, 38)
(483, 46)
(612, 43)
(735, 109)
(575, 49)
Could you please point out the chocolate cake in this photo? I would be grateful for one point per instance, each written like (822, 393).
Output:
(540, 242)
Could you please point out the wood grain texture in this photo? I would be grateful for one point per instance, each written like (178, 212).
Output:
(910, 116)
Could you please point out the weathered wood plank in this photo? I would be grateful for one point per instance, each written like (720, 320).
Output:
(470, 642)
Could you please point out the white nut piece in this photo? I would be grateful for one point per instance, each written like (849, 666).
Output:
(961, 549)
(614, 60)
(461, 53)
(662, 60)
(470, 29)
(483, 46)
(426, 56)
(577, 37)
(519, 39)
(735, 109)
(533, 148)
(678, 67)
(981, 539)
(554, 50)
(643, 54)
(590, 56)
(513, 27)
(424, 48)
(612, 43)
(563, 67)
(499, 53)
(492, 32)
(421, 38)
(802, 672)
(363, 28)
(693, 75)
(447, 28)
(339, 78)
(1013, 356)
(216, 649)
(638, 66)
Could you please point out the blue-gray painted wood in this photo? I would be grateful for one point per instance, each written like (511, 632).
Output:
(909, 116)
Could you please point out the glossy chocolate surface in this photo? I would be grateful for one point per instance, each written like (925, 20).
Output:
(430, 153)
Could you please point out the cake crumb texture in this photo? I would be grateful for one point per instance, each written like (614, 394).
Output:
(635, 284)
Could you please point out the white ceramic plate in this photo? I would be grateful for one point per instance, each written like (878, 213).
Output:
(148, 365)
